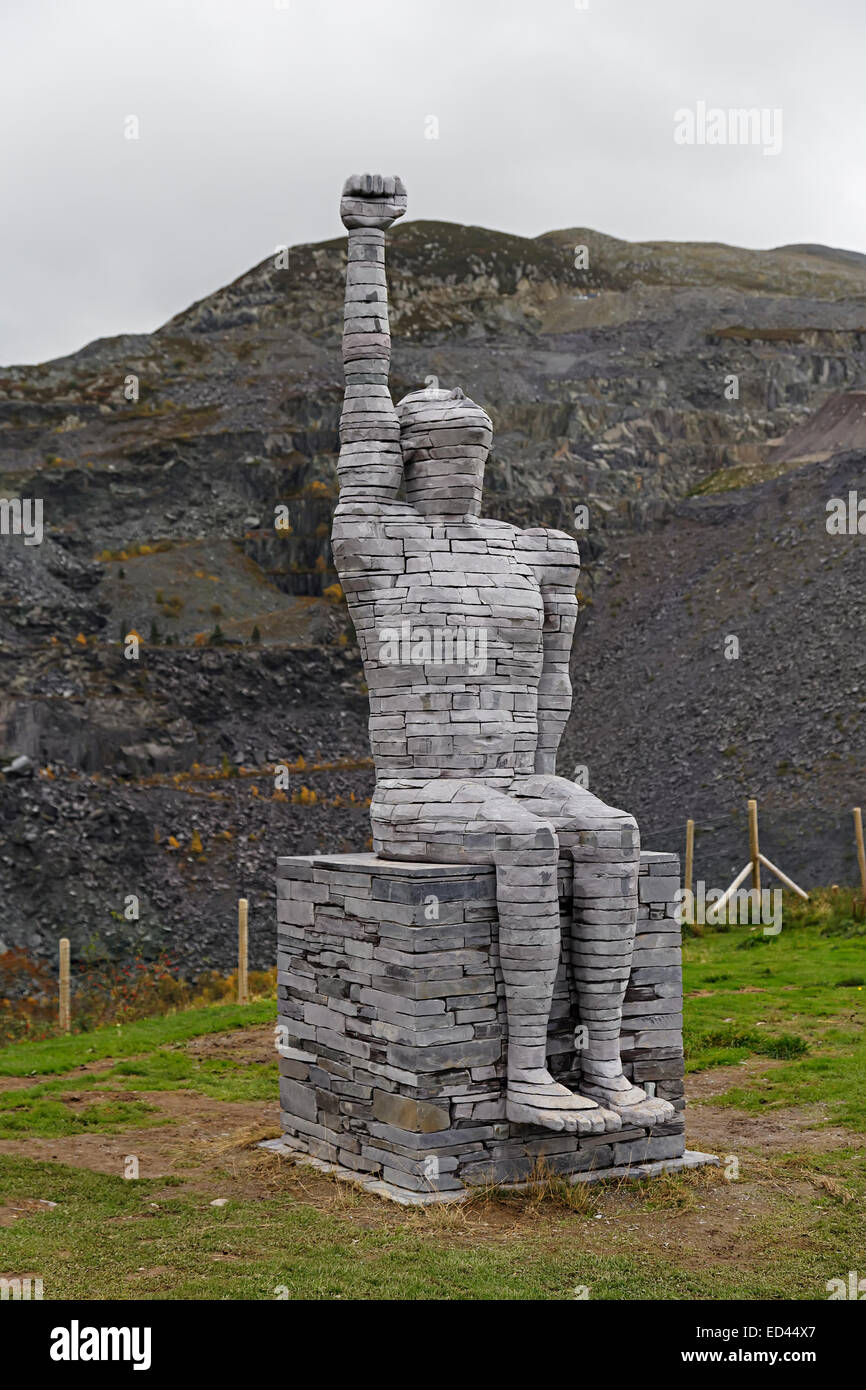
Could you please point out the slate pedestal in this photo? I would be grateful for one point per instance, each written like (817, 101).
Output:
(392, 1028)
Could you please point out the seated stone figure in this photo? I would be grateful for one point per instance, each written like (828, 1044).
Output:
(465, 626)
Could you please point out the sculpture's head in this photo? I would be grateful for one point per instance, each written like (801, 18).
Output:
(445, 439)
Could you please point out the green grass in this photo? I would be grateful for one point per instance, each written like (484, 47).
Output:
(837, 1080)
(150, 1057)
(222, 1078)
(791, 998)
(51, 1107)
(788, 1005)
(108, 1238)
(53, 1055)
(49, 1119)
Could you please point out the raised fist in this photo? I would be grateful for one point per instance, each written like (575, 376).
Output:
(372, 200)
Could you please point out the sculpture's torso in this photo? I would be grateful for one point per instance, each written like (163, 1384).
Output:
(449, 618)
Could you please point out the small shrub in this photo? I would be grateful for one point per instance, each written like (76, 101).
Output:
(782, 1047)
(749, 942)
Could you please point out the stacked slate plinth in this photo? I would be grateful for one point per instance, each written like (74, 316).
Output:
(393, 1026)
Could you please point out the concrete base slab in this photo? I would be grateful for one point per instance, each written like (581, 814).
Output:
(692, 1158)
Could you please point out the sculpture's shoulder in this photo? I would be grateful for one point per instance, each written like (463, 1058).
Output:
(492, 529)
(554, 554)
(371, 538)
(546, 538)
(373, 518)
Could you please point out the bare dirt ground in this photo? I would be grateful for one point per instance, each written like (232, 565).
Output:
(721, 1129)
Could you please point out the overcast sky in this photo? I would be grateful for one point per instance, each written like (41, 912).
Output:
(251, 113)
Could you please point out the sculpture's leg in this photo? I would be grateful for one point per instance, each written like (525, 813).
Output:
(604, 844)
(449, 820)
(604, 921)
(526, 859)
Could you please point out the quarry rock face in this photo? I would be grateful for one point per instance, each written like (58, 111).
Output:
(607, 385)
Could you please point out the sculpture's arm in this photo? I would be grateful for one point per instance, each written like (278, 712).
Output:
(556, 561)
(370, 464)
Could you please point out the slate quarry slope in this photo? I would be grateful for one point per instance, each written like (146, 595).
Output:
(608, 386)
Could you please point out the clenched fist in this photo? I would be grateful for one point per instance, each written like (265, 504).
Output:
(372, 200)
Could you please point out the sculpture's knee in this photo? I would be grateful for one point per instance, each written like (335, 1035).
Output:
(630, 834)
(531, 837)
(527, 896)
(614, 837)
(546, 838)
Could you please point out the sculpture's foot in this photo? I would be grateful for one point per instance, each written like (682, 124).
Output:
(632, 1104)
(534, 1098)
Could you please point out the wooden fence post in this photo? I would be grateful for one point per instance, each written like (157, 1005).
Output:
(756, 859)
(754, 852)
(64, 1012)
(243, 946)
(690, 860)
(861, 852)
